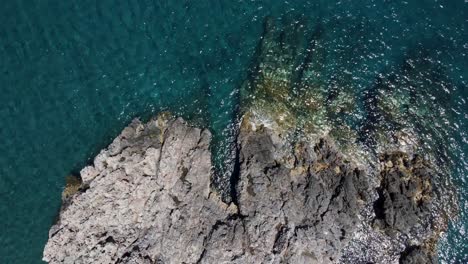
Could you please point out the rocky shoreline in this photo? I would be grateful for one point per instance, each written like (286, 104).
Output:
(148, 199)
(306, 184)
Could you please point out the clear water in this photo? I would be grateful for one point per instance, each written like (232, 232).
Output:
(74, 73)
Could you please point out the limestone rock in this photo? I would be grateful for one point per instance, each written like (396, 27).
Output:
(148, 199)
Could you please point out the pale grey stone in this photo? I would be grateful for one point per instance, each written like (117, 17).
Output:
(148, 198)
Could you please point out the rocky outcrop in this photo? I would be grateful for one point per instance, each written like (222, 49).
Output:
(301, 203)
(147, 199)
(306, 181)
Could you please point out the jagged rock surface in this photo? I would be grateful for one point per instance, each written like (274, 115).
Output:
(299, 204)
(147, 199)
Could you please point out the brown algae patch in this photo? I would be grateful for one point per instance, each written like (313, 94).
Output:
(73, 185)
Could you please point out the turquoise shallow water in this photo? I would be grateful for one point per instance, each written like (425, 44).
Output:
(74, 73)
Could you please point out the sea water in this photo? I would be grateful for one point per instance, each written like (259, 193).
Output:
(74, 73)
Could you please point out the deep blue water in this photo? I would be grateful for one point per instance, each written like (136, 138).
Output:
(74, 73)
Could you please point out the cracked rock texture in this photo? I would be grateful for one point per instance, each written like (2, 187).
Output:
(148, 198)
